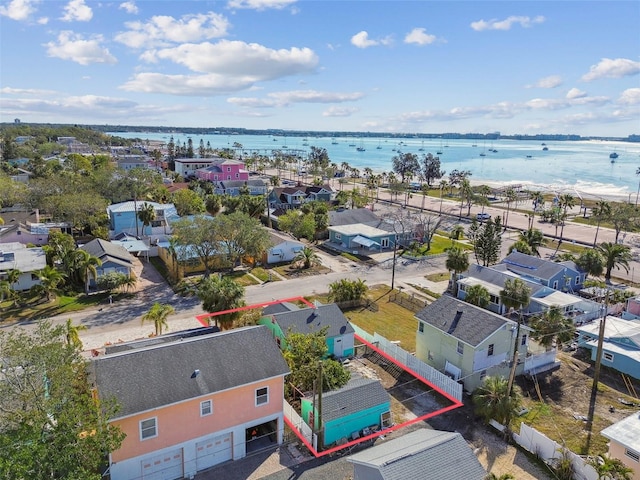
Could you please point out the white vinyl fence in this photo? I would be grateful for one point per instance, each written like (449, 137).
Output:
(300, 425)
(433, 376)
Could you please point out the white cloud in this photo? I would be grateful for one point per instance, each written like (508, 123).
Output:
(362, 40)
(283, 99)
(25, 91)
(612, 68)
(74, 47)
(240, 59)
(259, 4)
(164, 30)
(42, 21)
(419, 36)
(18, 9)
(77, 10)
(129, 7)
(506, 24)
(630, 96)
(551, 81)
(188, 85)
(576, 93)
(339, 111)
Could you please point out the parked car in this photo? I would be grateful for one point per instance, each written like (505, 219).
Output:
(483, 216)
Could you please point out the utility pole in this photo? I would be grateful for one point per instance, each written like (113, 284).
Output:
(596, 371)
(514, 365)
(393, 267)
(320, 433)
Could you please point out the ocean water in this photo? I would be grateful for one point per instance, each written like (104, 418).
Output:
(582, 168)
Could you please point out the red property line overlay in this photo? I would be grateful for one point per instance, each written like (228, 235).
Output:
(455, 403)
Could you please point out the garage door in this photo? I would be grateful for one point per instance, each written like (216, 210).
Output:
(213, 450)
(163, 467)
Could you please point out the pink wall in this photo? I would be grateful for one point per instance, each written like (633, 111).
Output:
(230, 171)
(617, 451)
(633, 306)
(182, 422)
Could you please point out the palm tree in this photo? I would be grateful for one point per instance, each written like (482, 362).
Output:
(307, 257)
(609, 468)
(466, 194)
(591, 262)
(49, 278)
(521, 246)
(601, 211)
(493, 401)
(158, 314)
(538, 199)
(72, 335)
(615, 255)
(534, 238)
(504, 476)
(566, 202)
(443, 186)
(638, 192)
(552, 326)
(146, 214)
(510, 196)
(515, 295)
(219, 294)
(457, 262)
(478, 295)
(456, 233)
(88, 266)
(424, 189)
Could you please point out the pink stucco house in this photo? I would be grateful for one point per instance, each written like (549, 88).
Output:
(192, 400)
(223, 170)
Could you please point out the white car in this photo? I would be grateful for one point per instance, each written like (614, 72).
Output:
(483, 216)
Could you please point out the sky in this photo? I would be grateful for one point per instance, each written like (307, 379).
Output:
(515, 67)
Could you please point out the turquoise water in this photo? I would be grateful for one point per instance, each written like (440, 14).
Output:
(581, 168)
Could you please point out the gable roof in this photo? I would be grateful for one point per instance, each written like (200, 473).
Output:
(108, 252)
(357, 395)
(529, 265)
(498, 275)
(445, 455)
(462, 320)
(308, 320)
(157, 375)
(349, 216)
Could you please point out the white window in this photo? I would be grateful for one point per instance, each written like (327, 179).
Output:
(524, 339)
(578, 280)
(460, 347)
(555, 285)
(228, 169)
(635, 456)
(262, 396)
(567, 281)
(494, 299)
(608, 356)
(421, 327)
(338, 236)
(384, 243)
(206, 408)
(490, 351)
(148, 428)
(237, 175)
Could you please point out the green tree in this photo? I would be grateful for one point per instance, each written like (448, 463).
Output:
(188, 202)
(478, 295)
(198, 236)
(615, 255)
(146, 215)
(298, 224)
(238, 235)
(72, 334)
(51, 425)
(521, 246)
(515, 295)
(510, 196)
(534, 238)
(486, 239)
(624, 216)
(307, 258)
(591, 261)
(504, 476)
(609, 468)
(406, 165)
(112, 281)
(456, 233)
(492, 400)
(601, 212)
(86, 266)
(49, 278)
(430, 168)
(219, 294)
(158, 314)
(213, 204)
(344, 290)
(552, 327)
(457, 262)
(538, 201)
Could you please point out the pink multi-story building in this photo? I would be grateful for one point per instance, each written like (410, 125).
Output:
(191, 400)
(224, 170)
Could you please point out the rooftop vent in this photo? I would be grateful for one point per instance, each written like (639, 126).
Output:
(195, 373)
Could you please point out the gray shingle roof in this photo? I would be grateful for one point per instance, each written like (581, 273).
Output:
(498, 275)
(107, 251)
(462, 320)
(423, 453)
(536, 267)
(158, 375)
(357, 395)
(308, 320)
(351, 216)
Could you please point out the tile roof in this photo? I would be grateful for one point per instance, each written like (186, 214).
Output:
(154, 376)
(308, 320)
(462, 320)
(357, 395)
(423, 453)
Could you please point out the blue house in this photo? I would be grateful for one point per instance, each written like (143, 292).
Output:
(114, 258)
(620, 347)
(284, 318)
(123, 217)
(362, 403)
(359, 237)
(564, 276)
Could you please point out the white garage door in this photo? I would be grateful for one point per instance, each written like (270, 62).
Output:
(213, 451)
(163, 467)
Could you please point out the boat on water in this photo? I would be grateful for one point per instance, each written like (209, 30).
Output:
(360, 149)
(544, 149)
(613, 155)
(528, 156)
(483, 154)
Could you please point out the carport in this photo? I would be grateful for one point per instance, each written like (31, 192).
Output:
(364, 241)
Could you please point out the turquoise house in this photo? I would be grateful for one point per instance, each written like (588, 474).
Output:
(362, 403)
(283, 318)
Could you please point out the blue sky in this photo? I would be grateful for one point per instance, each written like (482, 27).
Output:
(381, 66)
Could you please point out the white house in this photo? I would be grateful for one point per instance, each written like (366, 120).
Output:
(15, 256)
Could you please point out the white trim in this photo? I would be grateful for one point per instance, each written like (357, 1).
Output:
(632, 454)
(155, 428)
(260, 397)
(202, 408)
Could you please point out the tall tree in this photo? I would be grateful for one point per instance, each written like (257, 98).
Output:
(510, 196)
(188, 202)
(551, 327)
(591, 261)
(515, 295)
(478, 295)
(72, 334)
(538, 201)
(486, 240)
(406, 165)
(493, 400)
(602, 211)
(430, 168)
(615, 255)
(49, 278)
(146, 215)
(566, 202)
(457, 262)
(197, 237)
(219, 294)
(158, 314)
(534, 238)
(51, 425)
(624, 217)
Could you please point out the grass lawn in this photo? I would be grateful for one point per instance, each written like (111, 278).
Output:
(439, 244)
(438, 277)
(566, 246)
(292, 270)
(264, 275)
(36, 307)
